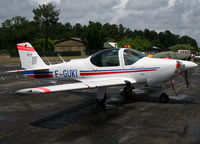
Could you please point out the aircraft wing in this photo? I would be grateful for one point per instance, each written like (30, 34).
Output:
(73, 86)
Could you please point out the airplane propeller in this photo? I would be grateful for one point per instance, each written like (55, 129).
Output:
(181, 69)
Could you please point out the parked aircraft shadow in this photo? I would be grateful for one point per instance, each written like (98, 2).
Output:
(66, 116)
(88, 108)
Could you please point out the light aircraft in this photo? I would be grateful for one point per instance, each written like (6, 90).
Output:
(109, 67)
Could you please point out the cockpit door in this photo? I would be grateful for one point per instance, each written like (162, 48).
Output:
(129, 58)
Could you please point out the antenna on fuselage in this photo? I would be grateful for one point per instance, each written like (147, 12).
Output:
(48, 60)
(61, 58)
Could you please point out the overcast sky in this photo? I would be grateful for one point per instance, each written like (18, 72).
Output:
(179, 16)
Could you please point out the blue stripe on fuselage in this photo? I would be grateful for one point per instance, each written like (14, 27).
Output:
(38, 72)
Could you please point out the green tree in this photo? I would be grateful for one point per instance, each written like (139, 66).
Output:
(95, 37)
(128, 33)
(167, 39)
(137, 43)
(45, 29)
(111, 31)
(121, 31)
(147, 34)
(38, 44)
(77, 30)
(57, 31)
(15, 30)
(141, 44)
(46, 16)
(188, 41)
(125, 41)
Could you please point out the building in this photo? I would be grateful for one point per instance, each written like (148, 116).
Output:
(72, 46)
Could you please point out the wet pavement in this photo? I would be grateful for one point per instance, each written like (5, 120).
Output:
(73, 116)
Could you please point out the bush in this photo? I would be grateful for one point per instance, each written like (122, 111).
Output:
(4, 51)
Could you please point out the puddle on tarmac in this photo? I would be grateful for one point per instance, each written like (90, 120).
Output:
(179, 97)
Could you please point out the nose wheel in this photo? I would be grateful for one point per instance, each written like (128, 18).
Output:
(164, 98)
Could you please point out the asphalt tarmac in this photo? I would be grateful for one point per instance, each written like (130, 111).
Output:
(73, 116)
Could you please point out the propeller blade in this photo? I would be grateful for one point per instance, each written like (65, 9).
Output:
(185, 77)
(187, 80)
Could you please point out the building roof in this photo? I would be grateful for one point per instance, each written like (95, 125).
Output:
(110, 45)
(74, 39)
(154, 47)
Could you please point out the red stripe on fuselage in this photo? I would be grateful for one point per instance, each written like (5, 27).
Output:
(42, 76)
(113, 72)
(44, 89)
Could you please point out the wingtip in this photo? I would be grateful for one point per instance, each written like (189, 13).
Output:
(23, 91)
(29, 91)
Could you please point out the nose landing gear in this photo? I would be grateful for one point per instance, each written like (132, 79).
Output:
(164, 98)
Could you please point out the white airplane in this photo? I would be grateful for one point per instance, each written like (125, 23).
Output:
(109, 67)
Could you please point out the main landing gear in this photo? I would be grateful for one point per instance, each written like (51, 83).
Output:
(164, 98)
(101, 97)
(127, 92)
(102, 102)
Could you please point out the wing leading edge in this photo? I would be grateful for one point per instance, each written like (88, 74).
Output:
(74, 86)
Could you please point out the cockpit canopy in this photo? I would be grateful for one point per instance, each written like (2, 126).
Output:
(105, 58)
(110, 57)
(131, 56)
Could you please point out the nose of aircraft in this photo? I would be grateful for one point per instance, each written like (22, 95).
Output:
(189, 65)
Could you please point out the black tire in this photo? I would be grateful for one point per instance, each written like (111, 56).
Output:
(122, 93)
(129, 94)
(164, 98)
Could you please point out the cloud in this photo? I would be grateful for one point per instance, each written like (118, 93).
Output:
(179, 16)
(171, 3)
(47, 1)
(120, 11)
(122, 4)
(82, 11)
(11, 8)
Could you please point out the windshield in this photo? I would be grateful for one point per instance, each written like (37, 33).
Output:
(105, 58)
(131, 56)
